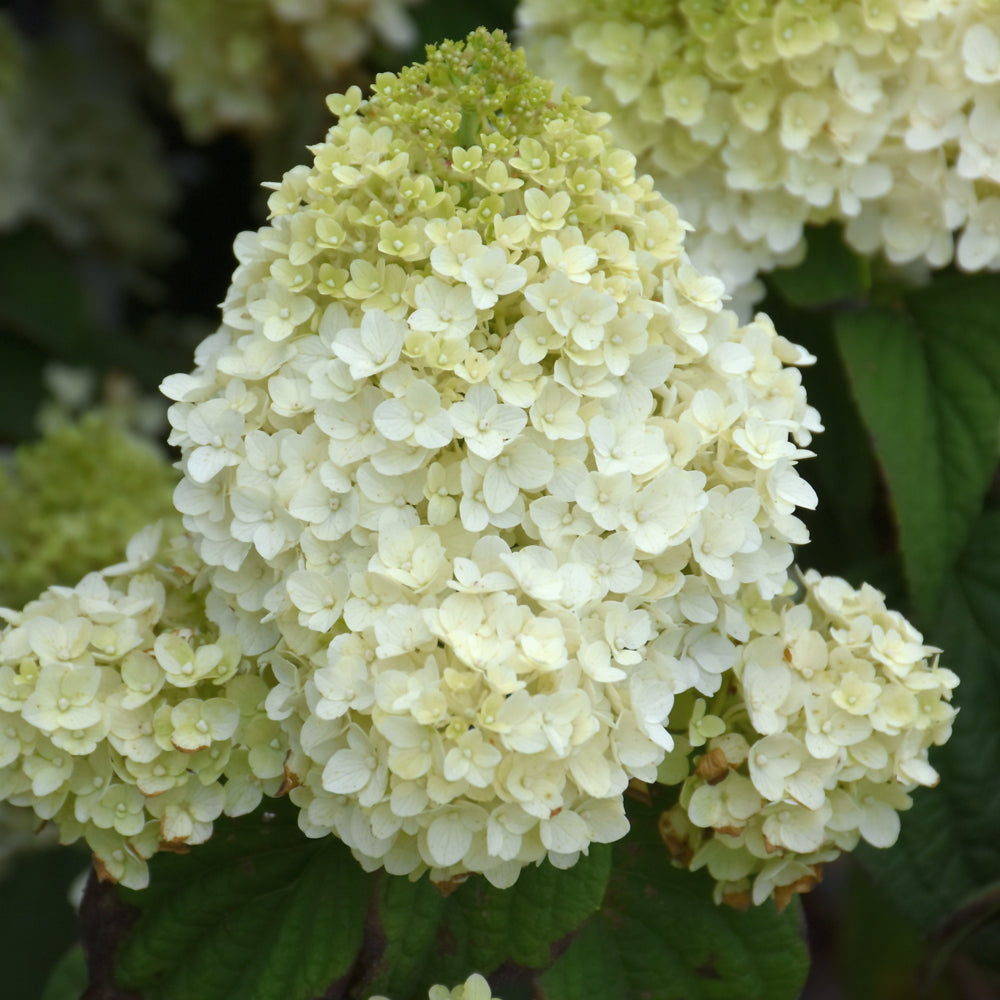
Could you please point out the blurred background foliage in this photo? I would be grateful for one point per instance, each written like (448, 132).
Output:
(120, 196)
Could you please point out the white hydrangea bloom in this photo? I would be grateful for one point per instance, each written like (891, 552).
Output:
(757, 118)
(834, 704)
(226, 62)
(126, 718)
(486, 453)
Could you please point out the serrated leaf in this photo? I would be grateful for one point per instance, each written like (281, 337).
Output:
(409, 916)
(948, 850)
(257, 913)
(431, 939)
(926, 378)
(830, 274)
(520, 924)
(659, 936)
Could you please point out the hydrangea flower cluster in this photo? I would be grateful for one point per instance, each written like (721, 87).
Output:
(484, 449)
(53, 535)
(228, 62)
(474, 988)
(814, 741)
(759, 116)
(126, 718)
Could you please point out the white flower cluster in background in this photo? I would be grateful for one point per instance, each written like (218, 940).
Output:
(126, 718)
(474, 988)
(815, 740)
(487, 452)
(228, 62)
(62, 130)
(757, 117)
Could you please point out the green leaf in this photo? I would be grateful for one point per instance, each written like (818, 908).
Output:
(258, 913)
(831, 273)
(431, 939)
(409, 916)
(948, 852)
(68, 979)
(522, 923)
(659, 936)
(926, 378)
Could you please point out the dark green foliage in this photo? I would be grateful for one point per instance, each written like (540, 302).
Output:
(261, 911)
(660, 936)
(945, 867)
(432, 939)
(258, 913)
(926, 376)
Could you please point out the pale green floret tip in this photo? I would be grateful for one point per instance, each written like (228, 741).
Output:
(482, 80)
(454, 120)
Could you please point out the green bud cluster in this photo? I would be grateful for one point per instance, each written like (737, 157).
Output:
(70, 501)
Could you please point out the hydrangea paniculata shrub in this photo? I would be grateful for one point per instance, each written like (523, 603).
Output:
(757, 117)
(493, 505)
